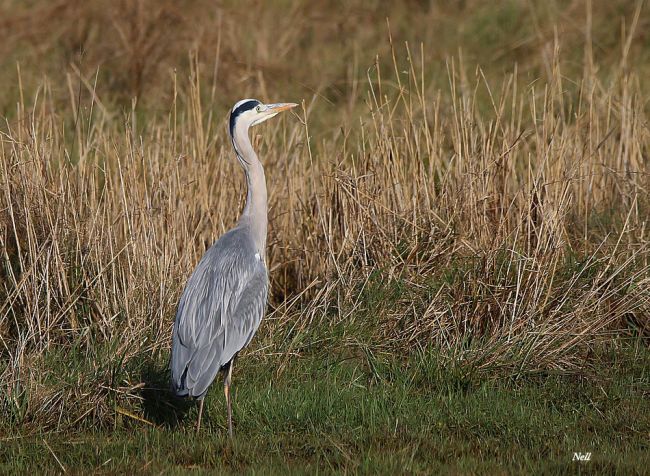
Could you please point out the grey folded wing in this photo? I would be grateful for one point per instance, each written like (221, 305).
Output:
(218, 314)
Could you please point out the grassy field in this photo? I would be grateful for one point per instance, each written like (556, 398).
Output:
(459, 248)
(326, 414)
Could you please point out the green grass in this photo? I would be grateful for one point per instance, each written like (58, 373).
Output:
(326, 414)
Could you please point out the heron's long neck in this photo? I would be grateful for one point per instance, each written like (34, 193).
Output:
(254, 215)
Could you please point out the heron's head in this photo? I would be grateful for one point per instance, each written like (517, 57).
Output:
(250, 112)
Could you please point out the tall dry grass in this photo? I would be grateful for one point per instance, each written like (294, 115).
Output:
(500, 220)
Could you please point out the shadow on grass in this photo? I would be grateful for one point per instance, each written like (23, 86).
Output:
(159, 404)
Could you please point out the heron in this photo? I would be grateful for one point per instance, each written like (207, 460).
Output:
(224, 299)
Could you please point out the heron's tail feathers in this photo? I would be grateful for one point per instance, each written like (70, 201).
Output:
(178, 385)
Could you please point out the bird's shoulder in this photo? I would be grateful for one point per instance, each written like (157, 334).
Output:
(234, 249)
(226, 268)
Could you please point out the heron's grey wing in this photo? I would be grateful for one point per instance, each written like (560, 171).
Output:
(240, 328)
(200, 314)
(207, 321)
(248, 313)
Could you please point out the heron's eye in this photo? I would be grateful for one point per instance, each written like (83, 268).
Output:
(258, 108)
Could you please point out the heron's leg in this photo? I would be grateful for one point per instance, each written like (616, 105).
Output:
(226, 390)
(198, 423)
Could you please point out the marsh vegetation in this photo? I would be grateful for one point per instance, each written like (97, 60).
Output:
(458, 241)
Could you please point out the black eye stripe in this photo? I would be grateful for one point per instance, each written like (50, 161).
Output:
(247, 106)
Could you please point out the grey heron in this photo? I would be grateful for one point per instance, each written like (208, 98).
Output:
(225, 297)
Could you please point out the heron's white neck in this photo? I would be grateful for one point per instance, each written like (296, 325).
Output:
(254, 216)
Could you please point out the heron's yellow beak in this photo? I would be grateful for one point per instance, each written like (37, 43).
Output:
(279, 107)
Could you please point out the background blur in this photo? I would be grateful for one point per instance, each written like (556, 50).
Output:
(300, 49)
